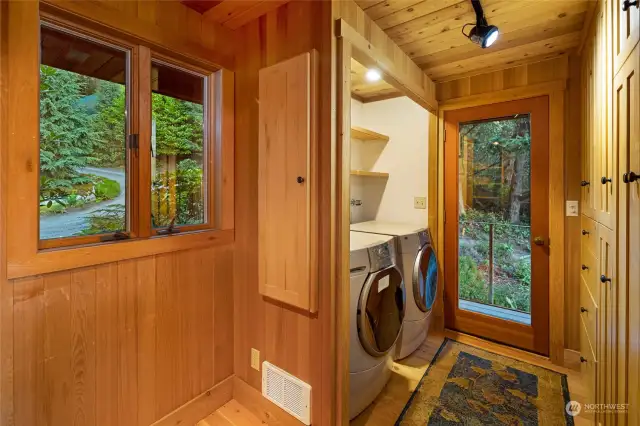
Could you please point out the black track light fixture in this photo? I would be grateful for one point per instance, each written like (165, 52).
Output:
(482, 33)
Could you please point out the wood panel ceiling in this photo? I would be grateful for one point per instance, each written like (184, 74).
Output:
(233, 13)
(367, 91)
(430, 32)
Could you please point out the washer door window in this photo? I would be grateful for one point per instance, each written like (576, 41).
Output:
(381, 311)
(425, 278)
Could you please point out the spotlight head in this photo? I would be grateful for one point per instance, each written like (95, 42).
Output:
(482, 33)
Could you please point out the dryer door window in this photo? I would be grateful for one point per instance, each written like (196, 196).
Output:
(381, 311)
(425, 278)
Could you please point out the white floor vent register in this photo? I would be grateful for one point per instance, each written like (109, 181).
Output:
(287, 392)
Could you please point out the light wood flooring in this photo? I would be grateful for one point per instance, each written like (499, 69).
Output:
(231, 414)
(408, 372)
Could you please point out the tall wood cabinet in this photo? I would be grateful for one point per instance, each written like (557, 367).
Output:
(610, 248)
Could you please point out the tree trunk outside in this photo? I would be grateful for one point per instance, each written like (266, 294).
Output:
(517, 186)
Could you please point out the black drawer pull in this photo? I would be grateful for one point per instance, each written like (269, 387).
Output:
(605, 180)
(585, 268)
(626, 4)
(630, 177)
(583, 359)
(300, 179)
(585, 232)
(585, 183)
(604, 279)
(583, 309)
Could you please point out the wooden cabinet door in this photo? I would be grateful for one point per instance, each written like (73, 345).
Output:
(588, 137)
(627, 126)
(287, 199)
(610, 319)
(626, 30)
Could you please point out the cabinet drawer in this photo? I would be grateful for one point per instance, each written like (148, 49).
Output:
(589, 267)
(589, 314)
(588, 365)
(589, 236)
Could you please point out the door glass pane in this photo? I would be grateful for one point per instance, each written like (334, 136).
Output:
(177, 147)
(83, 124)
(494, 275)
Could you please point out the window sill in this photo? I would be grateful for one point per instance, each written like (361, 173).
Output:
(53, 260)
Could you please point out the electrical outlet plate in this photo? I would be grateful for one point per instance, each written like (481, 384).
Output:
(572, 208)
(419, 202)
(255, 359)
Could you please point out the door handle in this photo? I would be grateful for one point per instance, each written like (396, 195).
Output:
(585, 232)
(630, 177)
(300, 179)
(585, 267)
(539, 241)
(626, 4)
(585, 183)
(605, 180)
(605, 279)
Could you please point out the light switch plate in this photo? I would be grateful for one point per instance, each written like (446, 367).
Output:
(419, 202)
(255, 359)
(572, 208)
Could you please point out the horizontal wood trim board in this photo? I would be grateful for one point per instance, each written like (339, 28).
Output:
(201, 406)
(78, 257)
(367, 54)
(505, 95)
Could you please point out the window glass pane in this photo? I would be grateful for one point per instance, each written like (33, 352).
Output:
(83, 103)
(178, 153)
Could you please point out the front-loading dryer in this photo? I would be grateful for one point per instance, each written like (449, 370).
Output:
(377, 309)
(417, 261)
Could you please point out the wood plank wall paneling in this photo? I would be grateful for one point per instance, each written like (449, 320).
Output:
(123, 343)
(290, 339)
(523, 77)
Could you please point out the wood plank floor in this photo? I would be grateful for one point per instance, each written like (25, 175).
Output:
(231, 414)
(407, 373)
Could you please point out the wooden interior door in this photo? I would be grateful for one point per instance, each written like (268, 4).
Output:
(505, 136)
(626, 29)
(287, 225)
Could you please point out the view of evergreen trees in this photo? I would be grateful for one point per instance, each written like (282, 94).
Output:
(82, 124)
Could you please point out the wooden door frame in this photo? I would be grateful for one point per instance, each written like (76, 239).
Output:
(350, 44)
(555, 90)
(533, 336)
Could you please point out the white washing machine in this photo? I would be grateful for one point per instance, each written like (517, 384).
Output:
(419, 267)
(377, 309)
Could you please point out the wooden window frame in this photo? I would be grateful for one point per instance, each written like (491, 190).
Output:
(28, 255)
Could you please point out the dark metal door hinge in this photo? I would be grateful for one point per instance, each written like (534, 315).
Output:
(134, 142)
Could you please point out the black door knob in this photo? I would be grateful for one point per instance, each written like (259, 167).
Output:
(626, 4)
(583, 309)
(585, 232)
(300, 179)
(604, 279)
(605, 180)
(585, 183)
(583, 359)
(630, 177)
(585, 268)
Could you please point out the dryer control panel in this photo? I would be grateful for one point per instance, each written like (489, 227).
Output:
(381, 256)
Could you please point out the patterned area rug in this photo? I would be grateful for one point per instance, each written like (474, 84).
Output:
(470, 386)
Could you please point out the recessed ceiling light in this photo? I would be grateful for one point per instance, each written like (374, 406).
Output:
(373, 75)
(482, 33)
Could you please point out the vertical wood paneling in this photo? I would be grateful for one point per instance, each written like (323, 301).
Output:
(83, 361)
(107, 344)
(223, 333)
(127, 345)
(146, 319)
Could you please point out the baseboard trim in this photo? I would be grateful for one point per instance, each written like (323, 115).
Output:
(201, 406)
(265, 410)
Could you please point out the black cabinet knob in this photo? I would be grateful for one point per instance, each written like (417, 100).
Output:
(585, 232)
(585, 183)
(583, 359)
(583, 309)
(300, 179)
(626, 4)
(604, 180)
(585, 268)
(630, 177)
(604, 279)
